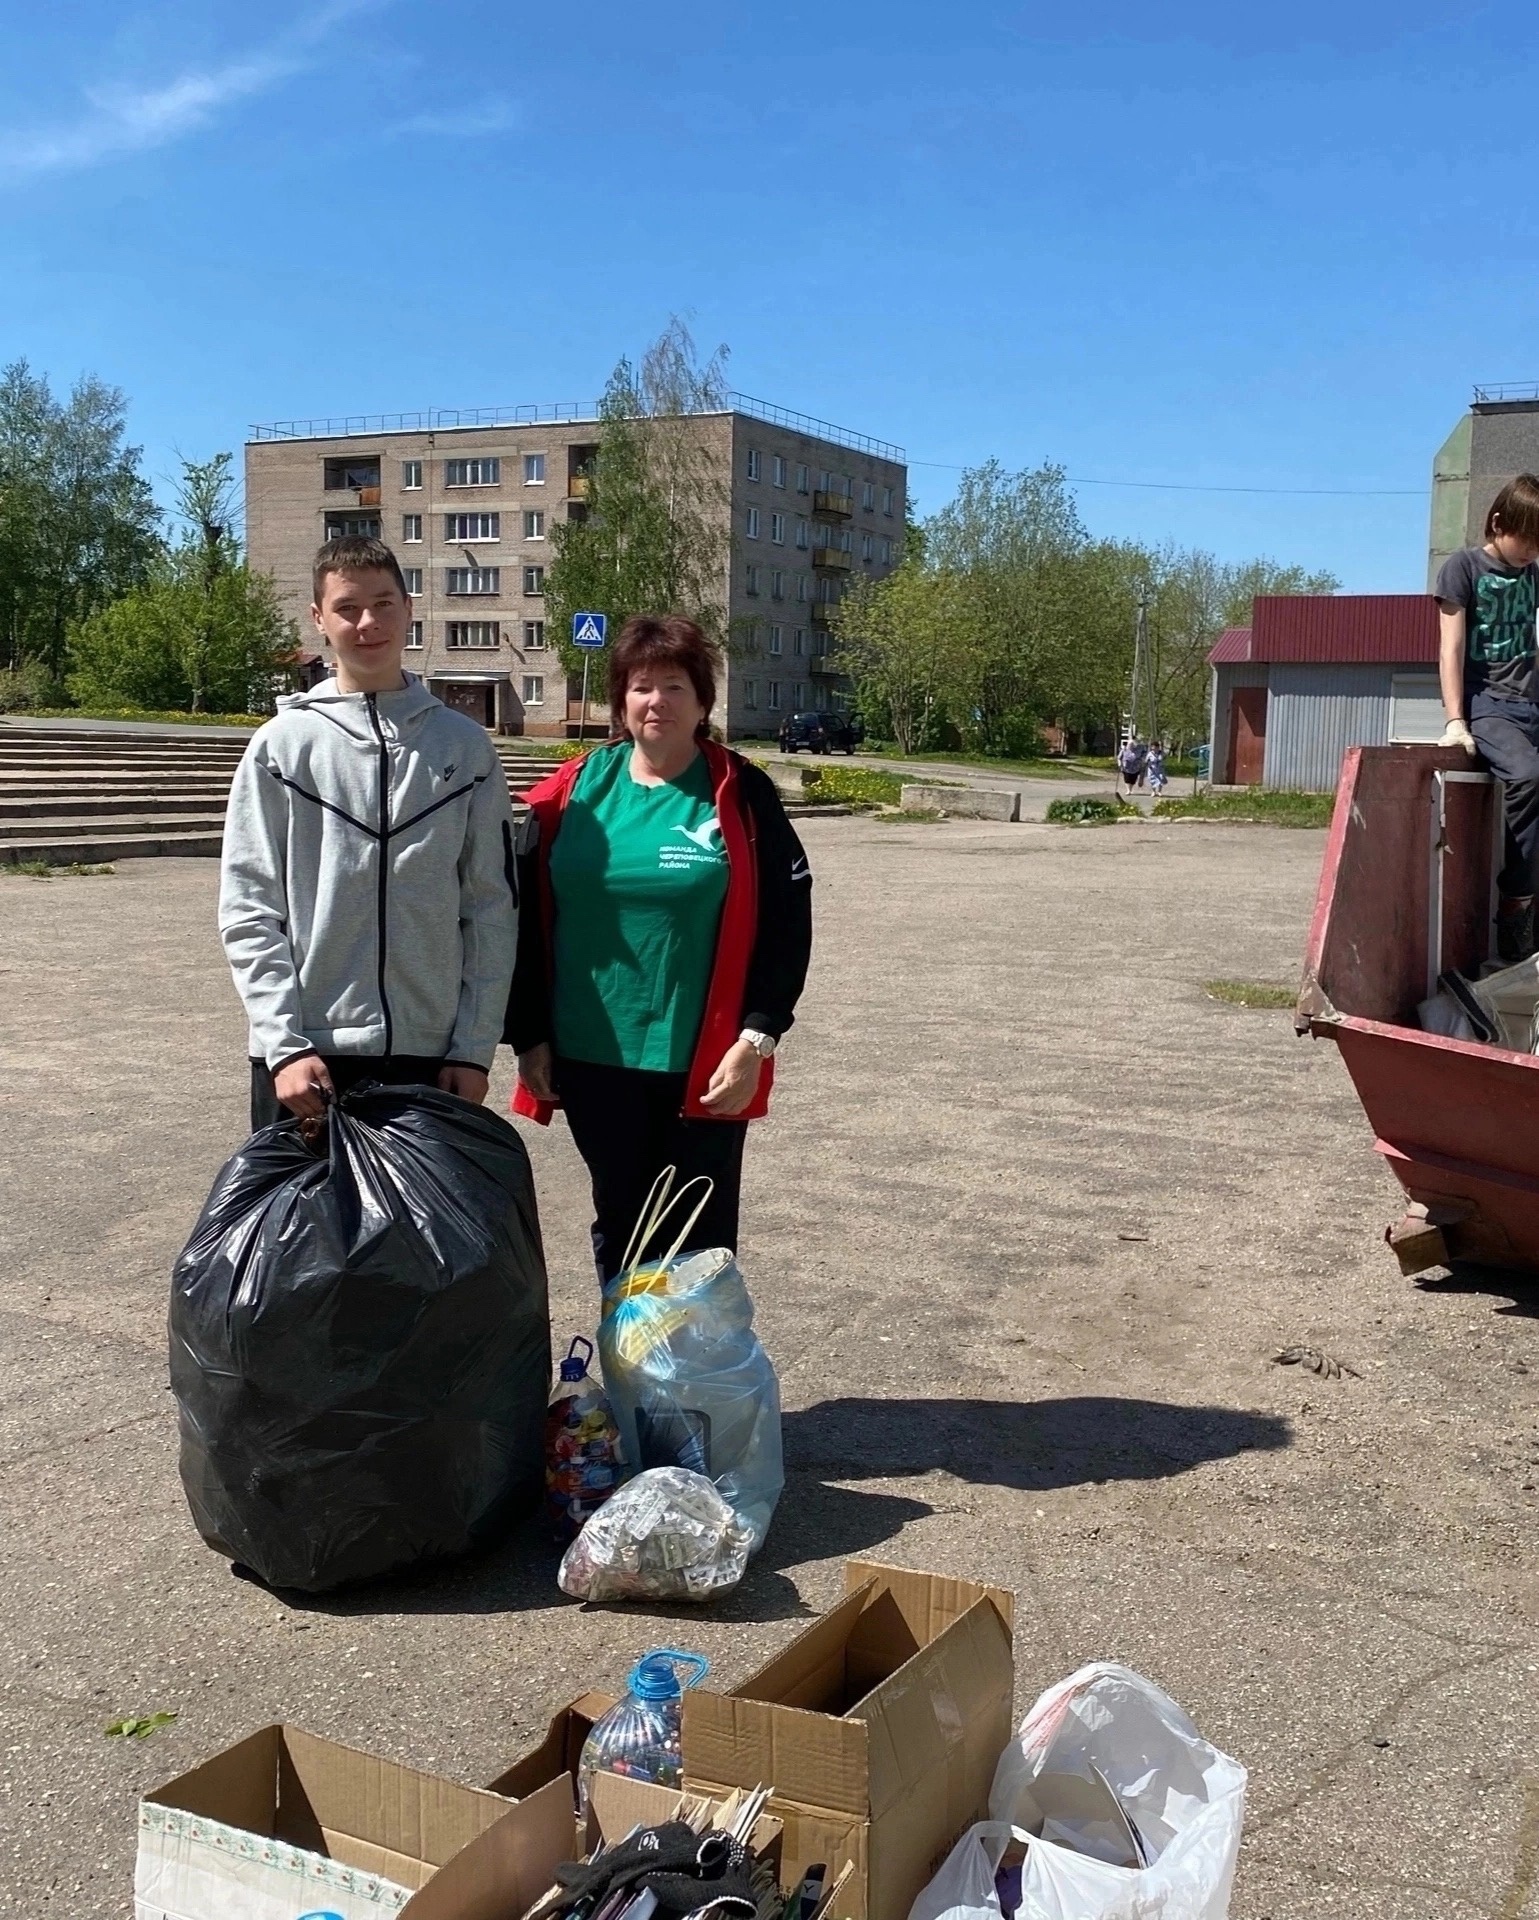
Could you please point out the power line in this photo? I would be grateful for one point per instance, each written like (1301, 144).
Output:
(1182, 486)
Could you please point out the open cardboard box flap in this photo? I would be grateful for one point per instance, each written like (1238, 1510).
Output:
(879, 1726)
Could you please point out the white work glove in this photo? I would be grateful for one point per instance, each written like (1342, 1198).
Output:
(1456, 734)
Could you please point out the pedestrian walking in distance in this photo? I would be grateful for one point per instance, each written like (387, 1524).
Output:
(665, 938)
(1131, 762)
(1154, 766)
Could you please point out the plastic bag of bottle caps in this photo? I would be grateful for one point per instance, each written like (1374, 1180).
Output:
(666, 1535)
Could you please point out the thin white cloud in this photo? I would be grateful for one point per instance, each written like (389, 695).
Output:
(116, 120)
(486, 116)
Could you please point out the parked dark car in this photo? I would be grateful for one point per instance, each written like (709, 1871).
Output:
(822, 732)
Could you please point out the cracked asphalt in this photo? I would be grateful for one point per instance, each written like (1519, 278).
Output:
(1030, 1217)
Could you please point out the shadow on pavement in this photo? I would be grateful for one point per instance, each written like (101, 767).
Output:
(1519, 1290)
(1033, 1445)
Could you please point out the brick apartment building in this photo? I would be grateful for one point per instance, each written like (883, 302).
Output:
(1493, 443)
(468, 502)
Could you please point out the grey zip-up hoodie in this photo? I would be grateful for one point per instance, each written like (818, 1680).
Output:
(368, 900)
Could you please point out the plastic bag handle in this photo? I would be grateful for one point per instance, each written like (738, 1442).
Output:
(655, 1210)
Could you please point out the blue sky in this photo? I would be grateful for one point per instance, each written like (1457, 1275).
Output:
(1189, 245)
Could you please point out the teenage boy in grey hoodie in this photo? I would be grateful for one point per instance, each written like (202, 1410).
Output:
(368, 902)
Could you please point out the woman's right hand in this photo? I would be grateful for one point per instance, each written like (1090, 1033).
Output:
(535, 1070)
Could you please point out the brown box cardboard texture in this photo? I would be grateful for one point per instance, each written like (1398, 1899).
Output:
(453, 1846)
(559, 1752)
(879, 1727)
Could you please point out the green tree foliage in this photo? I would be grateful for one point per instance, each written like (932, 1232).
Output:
(1006, 614)
(78, 526)
(653, 538)
(203, 633)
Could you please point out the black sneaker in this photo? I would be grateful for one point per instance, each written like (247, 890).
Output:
(1514, 929)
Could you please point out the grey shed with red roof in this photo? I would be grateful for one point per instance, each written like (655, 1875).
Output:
(1314, 674)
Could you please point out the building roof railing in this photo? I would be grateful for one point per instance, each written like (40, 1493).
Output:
(352, 426)
(1505, 391)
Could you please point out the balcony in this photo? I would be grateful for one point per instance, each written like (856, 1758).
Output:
(579, 486)
(838, 506)
(832, 559)
(823, 613)
(826, 665)
(368, 496)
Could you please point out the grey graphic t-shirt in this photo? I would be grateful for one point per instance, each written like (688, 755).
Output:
(1500, 604)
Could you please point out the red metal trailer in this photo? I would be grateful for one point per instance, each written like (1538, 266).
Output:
(1405, 892)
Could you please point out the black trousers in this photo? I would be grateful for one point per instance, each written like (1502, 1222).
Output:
(346, 1070)
(1507, 734)
(627, 1128)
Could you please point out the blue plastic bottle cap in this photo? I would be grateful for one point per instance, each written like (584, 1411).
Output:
(573, 1368)
(655, 1675)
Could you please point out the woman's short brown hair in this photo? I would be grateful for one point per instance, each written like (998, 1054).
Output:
(651, 640)
(1516, 509)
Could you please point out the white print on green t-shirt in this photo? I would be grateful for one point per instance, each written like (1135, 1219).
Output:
(698, 853)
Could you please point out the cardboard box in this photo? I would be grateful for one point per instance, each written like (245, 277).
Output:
(558, 1753)
(879, 1727)
(284, 1824)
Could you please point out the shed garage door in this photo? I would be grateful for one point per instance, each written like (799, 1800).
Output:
(1415, 709)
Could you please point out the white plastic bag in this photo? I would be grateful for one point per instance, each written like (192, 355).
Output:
(964, 1888)
(666, 1535)
(1183, 1799)
(689, 1382)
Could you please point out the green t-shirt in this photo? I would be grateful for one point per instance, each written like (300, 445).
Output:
(639, 875)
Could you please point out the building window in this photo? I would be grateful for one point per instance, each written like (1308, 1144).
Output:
(778, 529)
(411, 528)
(413, 578)
(458, 580)
(350, 475)
(819, 696)
(801, 588)
(774, 696)
(534, 469)
(868, 547)
(484, 472)
(414, 634)
(534, 690)
(352, 526)
(534, 636)
(776, 636)
(750, 693)
(868, 496)
(886, 553)
(753, 523)
(777, 585)
(460, 634)
(846, 540)
(799, 641)
(753, 463)
(462, 527)
(802, 535)
(411, 476)
(778, 470)
(534, 524)
(534, 581)
(802, 478)
(1415, 708)
(887, 501)
(800, 695)
(751, 579)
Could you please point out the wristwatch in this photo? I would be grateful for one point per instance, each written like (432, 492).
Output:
(763, 1044)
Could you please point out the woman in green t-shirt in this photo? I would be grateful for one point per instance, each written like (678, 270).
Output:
(665, 931)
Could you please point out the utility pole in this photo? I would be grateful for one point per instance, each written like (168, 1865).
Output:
(1143, 674)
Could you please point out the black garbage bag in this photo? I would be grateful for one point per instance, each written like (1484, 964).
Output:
(360, 1341)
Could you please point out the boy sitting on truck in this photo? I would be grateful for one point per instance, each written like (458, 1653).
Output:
(1488, 600)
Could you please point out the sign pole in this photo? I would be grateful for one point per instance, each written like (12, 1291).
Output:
(589, 631)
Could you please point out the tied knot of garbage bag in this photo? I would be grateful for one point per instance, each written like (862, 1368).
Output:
(684, 1872)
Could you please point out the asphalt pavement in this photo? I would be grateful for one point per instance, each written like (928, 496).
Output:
(1029, 1221)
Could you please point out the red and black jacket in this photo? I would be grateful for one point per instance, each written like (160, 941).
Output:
(763, 944)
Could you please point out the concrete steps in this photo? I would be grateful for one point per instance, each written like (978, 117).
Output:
(93, 795)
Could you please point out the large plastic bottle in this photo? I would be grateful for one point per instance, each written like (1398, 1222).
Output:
(641, 1737)
(582, 1445)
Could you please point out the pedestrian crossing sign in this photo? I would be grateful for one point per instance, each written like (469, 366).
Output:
(588, 629)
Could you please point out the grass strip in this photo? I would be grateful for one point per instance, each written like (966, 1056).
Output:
(1250, 993)
(1260, 806)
